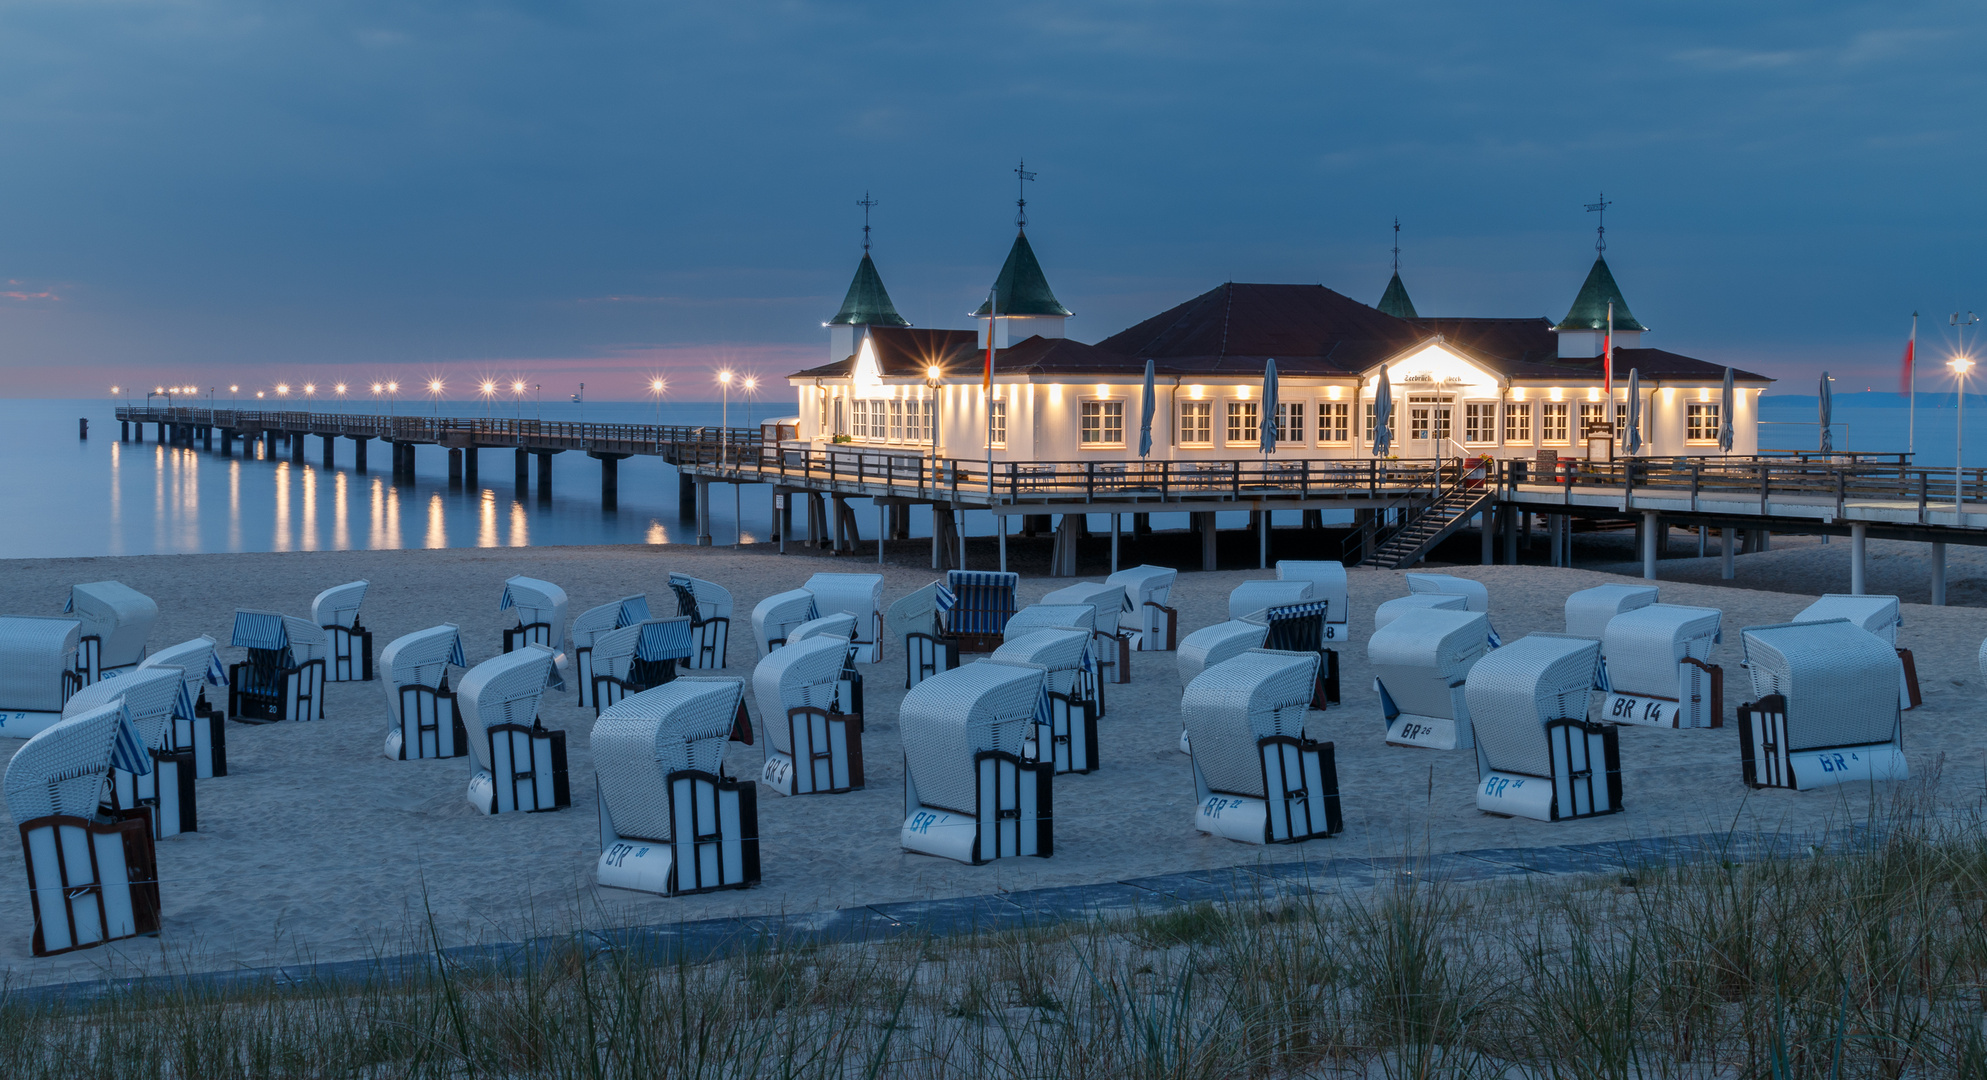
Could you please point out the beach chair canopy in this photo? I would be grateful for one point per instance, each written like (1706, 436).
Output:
(62, 769)
(946, 719)
(840, 626)
(1644, 646)
(198, 661)
(1250, 696)
(1327, 582)
(1877, 614)
(800, 676)
(1471, 591)
(1840, 681)
(116, 614)
(1422, 655)
(423, 657)
(272, 631)
(779, 613)
(981, 600)
(1044, 616)
(1210, 645)
(1393, 609)
(912, 613)
(1108, 601)
(339, 605)
(860, 595)
(504, 689)
(1252, 596)
(613, 615)
(641, 739)
(1144, 584)
(1588, 610)
(152, 697)
(537, 602)
(34, 652)
(712, 600)
(1063, 652)
(1514, 691)
(649, 640)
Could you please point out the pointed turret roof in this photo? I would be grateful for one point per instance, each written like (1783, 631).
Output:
(1395, 302)
(1590, 308)
(868, 303)
(1021, 289)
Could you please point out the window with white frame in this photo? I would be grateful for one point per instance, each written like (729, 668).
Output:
(1621, 419)
(1334, 422)
(1517, 421)
(823, 395)
(896, 420)
(1290, 421)
(840, 418)
(1553, 416)
(1592, 415)
(1480, 422)
(1428, 417)
(1243, 425)
(1701, 421)
(1196, 423)
(1372, 421)
(998, 423)
(1103, 423)
(860, 427)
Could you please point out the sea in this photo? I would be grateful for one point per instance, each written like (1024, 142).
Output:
(73, 496)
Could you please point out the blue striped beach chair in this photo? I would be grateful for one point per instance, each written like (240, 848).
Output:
(283, 676)
(982, 602)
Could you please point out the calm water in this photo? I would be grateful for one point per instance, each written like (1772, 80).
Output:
(105, 497)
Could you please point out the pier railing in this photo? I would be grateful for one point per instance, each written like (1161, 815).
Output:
(498, 432)
(1812, 480)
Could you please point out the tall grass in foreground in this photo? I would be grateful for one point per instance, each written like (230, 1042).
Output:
(1858, 963)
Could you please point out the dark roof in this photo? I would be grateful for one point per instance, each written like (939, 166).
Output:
(868, 303)
(1394, 301)
(1590, 308)
(1309, 329)
(1529, 349)
(1021, 288)
(905, 352)
(1061, 356)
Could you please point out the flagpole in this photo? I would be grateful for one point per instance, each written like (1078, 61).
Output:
(1911, 370)
(986, 401)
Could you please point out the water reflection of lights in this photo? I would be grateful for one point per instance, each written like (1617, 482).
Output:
(437, 522)
(281, 540)
(486, 519)
(520, 526)
(341, 537)
(308, 541)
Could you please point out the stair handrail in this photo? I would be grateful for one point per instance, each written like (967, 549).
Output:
(1352, 550)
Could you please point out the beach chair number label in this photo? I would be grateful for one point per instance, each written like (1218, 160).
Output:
(1215, 804)
(1835, 762)
(1411, 732)
(619, 853)
(778, 771)
(1653, 712)
(1495, 786)
(921, 822)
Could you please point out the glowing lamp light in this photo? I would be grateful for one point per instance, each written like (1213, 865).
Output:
(1558, 394)
(114, 390)
(1593, 393)
(434, 386)
(488, 387)
(656, 386)
(1960, 365)
(232, 389)
(393, 388)
(1242, 392)
(339, 389)
(158, 390)
(933, 373)
(751, 383)
(282, 388)
(1103, 391)
(1196, 392)
(1334, 392)
(1517, 393)
(517, 386)
(725, 377)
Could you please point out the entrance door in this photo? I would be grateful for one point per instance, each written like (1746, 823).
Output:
(1430, 421)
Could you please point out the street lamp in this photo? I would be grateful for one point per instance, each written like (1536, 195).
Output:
(233, 390)
(724, 415)
(340, 391)
(934, 376)
(488, 388)
(435, 392)
(1960, 365)
(657, 387)
(517, 393)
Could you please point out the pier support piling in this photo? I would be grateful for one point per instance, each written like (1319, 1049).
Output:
(1859, 539)
(882, 529)
(330, 451)
(522, 474)
(1488, 553)
(610, 482)
(469, 476)
(545, 479)
(1650, 528)
(125, 434)
(358, 452)
(1114, 544)
(454, 467)
(1262, 541)
(1204, 521)
(703, 513)
(297, 448)
(1938, 573)
(227, 442)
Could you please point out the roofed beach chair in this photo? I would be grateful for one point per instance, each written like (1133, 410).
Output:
(203, 733)
(152, 698)
(1537, 754)
(1880, 616)
(812, 746)
(520, 764)
(776, 616)
(592, 623)
(1328, 584)
(968, 792)
(116, 621)
(1472, 592)
(1210, 645)
(1252, 596)
(1257, 778)
(1389, 610)
(1111, 604)
(842, 627)
(426, 721)
(541, 620)
(860, 595)
(1657, 670)
(913, 621)
(37, 671)
(1151, 625)
(671, 821)
(1066, 731)
(1588, 610)
(336, 609)
(92, 876)
(1420, 662)
(635, 658)
(1824, 711)
(283, 676)
(709, 606)
(982, 601)
(1303, 627)
(1062, 617)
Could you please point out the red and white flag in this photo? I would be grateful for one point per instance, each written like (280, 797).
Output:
(1905, 381)
(1607, 357)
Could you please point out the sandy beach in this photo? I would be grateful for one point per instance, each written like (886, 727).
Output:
(316, 846)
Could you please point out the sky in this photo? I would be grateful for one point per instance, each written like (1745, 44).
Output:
(568, 192)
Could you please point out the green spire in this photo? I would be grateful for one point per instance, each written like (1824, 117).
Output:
(867, 304)
(1395, 302)
(1590, 308)
(1021, 289)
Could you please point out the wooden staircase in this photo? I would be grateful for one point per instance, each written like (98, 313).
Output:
(1430, 527)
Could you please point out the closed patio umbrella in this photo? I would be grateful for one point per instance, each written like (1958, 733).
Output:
(1267, 441)
(1725, 415)
(1145, 422)
(1383, 413)
(1634, 411)
(1827, 404)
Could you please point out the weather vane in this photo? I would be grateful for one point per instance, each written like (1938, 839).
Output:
(1022, 176)
(1397, 245)
(865, 202)
(1601, 233)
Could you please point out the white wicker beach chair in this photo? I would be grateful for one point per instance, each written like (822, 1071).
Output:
(520, 764)
(283, 676)
(1420, 662)
(635, 658)
(1657, 671)
(1537, 754)
(593, 622)
(1303, 628)
(1150, 624)
(860, 595)
(117, 619)
(1113, 645)
(541, 620)
(671, 821)
(841, 627)
(708, 605)
(350, 645)
(1082, 617)
(92, 877)
(968, 793)
(1257, 778)
(1881, 616)
(1328, 584)
(1389, 610)
(812, 745)
(424, 717)
(1588, 610)
(152, 699)
(1823, 711)
(1211, 645)
(1252, 596)
(913, 623)
(776, 616)
(204, 733)
(37, 671)
(1472, 592)
(976, 605)
(1066, 735)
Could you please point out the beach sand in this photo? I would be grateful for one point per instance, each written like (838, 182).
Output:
(316, 846)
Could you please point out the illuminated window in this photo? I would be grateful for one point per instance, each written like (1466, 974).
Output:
(999, 420)
(1371, 423)
(1196, 423)
(917, 421)
(896, 420)
(1290, 421)
(1701, 422)
(1552, 421)
(1103, 423)
(1334, 422)
(1518, 422)
(861, 420)
(1480, 422)
(1428, 416)
(1593, 414)
(1243, 425)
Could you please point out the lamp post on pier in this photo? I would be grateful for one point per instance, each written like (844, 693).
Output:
(1960, 365)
